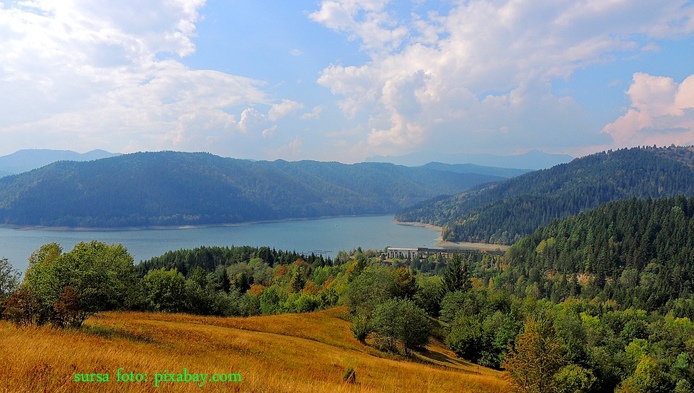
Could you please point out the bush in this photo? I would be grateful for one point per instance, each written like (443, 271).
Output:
(22, 309)
(165, 290)
(360, 327)
(349, 376)
(465, 338)
(67, 310)
(399, 320)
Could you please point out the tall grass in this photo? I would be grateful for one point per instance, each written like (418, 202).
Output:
(283, 353)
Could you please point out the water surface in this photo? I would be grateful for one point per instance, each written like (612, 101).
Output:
(328, 235)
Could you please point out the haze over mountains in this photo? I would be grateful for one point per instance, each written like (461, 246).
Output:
(532, 160)
(170, 188)
(28, 159)
(503, 213)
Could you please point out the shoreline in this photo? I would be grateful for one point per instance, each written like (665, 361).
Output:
(455, 245)
(171, 227)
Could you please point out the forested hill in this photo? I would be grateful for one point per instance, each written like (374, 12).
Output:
(636, 252)
(503, 213)
(170, 188)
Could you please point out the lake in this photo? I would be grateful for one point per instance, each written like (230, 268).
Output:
(328, 235)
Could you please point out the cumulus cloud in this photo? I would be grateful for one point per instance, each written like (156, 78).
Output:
(82, 74)
(366, 20)
(314, 114)
(485, 66)
(268, 132)
(284, 108)
(250, 118)
(661, 113)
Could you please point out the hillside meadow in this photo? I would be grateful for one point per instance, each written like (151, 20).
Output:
(280, 353)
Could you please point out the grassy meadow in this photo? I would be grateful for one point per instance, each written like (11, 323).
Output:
(281, 353)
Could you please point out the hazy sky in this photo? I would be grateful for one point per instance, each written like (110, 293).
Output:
(345, 79)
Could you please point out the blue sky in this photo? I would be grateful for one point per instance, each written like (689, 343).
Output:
(346, 79)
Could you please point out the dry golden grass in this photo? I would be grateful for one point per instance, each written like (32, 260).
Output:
(283, 353)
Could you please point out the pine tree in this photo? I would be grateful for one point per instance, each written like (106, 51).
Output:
(457, 277)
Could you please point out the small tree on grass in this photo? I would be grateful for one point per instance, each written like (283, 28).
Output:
(360, 327)
(399, 320)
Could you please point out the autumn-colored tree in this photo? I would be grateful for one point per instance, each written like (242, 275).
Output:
(536, 358)
(22, 308)
(67, 309)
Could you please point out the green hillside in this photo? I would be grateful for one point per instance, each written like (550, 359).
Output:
(169, 188)
(505, 212)
(635, 252)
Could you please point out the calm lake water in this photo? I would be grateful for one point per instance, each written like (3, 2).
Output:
(328, 235)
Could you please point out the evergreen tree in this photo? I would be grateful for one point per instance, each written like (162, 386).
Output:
(457, 277)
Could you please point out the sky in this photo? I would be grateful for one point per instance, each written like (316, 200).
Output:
(343, 80)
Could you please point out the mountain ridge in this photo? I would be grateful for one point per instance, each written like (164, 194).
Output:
(504, 212)
(174, 188)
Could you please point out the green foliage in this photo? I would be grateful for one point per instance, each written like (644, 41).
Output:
(270, 301)
(647, 378)
(400, 320)
(428, 294)
(101, 276)
(574, 379)
(371, 288)
(9, 280)
(165, 290)
(466, 338)
(360, 327)
(457, 276)
(636, 252)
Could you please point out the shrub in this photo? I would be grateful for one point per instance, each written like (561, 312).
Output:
(22, 309)
(399, 320)
(349, 376)
(67, 310)
(360, 327)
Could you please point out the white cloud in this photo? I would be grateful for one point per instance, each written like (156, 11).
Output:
(278, 111)
(89, 74)
(314, 114)
(661, 113)
(485, 65)
(268, 132)
(365, 20)
(250, 118)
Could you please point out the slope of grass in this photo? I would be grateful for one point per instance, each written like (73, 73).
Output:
(284, 353)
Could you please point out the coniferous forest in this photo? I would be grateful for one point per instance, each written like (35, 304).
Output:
(504, 212)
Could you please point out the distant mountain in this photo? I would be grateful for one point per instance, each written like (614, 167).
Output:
(170, 188)
(533, 160)
(504, 212)
(26, 160)
(479, 169)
